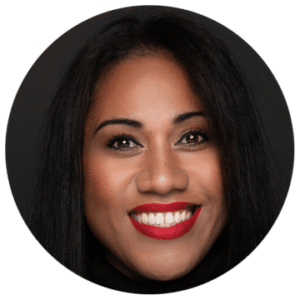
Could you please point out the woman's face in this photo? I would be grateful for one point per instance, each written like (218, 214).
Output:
(153, 186)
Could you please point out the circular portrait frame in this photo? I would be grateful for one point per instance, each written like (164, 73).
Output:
(35, 94)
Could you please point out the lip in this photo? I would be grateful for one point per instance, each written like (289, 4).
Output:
(168, 233)
(158, 207)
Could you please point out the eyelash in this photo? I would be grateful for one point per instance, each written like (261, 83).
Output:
(203, 138)
(120, 138)
(112, 143)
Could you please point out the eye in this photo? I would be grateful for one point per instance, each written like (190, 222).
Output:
(192, 138)
(123, 143)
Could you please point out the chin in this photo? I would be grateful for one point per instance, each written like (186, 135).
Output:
(166, 276)
(167, 270)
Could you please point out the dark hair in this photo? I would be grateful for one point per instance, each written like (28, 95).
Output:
(58, 220)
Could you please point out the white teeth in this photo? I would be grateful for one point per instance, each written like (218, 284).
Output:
(163, 219)
(183, 215)
(139, 218)
(177, 217)
(144, 218)
(169, 219)
(160, 220)
(151, 218)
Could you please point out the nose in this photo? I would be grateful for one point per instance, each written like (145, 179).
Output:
(161, 174)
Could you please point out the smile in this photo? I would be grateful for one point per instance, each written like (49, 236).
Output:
(165, 221)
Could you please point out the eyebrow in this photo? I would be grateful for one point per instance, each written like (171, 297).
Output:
(137, 124)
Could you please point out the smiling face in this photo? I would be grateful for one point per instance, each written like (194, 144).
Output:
(153, 186)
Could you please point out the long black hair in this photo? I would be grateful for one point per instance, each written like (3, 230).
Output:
(58, 220)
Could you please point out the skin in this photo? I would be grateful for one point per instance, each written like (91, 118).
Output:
(161, 165)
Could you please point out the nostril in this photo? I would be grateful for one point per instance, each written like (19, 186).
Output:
(158, 181)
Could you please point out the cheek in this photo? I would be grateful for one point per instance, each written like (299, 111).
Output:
(99, 201)
(97, 191)
(97, 179)
(106, 182)
(216, 179)
(209, 173)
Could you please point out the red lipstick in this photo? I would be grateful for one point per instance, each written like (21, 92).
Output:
(165, 233)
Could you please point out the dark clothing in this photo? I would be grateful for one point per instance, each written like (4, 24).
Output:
(102, 273)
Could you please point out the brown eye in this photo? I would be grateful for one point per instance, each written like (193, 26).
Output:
(192, 138)
(123, 143)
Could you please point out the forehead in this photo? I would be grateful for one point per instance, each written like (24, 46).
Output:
(145, 86)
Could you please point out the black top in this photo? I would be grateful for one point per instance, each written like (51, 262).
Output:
(103, 273)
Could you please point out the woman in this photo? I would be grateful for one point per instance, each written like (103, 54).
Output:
(154, 171)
